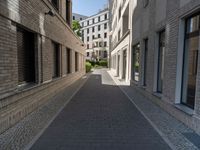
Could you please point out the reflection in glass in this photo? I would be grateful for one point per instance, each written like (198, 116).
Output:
(136, 62)
(161, 56)
(190, 71)
(190, 64)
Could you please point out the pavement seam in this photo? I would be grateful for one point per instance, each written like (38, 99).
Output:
(171, 145)
(33, 141)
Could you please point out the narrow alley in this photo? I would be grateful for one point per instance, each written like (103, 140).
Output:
(100, 117)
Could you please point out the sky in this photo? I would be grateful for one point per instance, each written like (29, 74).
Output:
(88, 7)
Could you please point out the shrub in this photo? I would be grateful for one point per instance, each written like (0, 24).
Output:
(103, 63)
(88, 67)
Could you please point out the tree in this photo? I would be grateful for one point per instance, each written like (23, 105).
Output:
(76, 27)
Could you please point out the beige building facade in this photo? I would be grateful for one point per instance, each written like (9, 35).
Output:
(162, 60)
(39, 55)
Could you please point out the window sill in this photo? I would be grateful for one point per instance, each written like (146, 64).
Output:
(184, 109)
(159, 95)
(27, 86)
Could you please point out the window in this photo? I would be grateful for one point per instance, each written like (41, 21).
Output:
(55, 4)
(93, 29)
(76, 61)
(82, 35)
(105, 26)
(100, 44)
(82, 24)
(145, 60)
(88, 31)
(106, 16)
(68, 60)
(88, 38)
(88, 54)
(99, 27)
(99, 35)
(99, 18)
(161, 60)
(55, 60)
(145, 3)
(68, 12)
(105, 44)
(93, 37)
(136, 62)
(93, 21)
(105, 54)
(73, 17)
(25, 56)
(119, 13)
(81, 18)
(119, 35)
(105, 35)
(88, 22)
(190, 63)
(88, 46)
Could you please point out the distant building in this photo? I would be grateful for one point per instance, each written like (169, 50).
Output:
(78, 17)
(95, 34)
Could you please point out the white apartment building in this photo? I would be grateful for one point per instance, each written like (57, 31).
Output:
(120, 39)
(78, 17)
(95, 34)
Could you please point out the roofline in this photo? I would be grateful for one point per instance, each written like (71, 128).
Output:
(95, 15)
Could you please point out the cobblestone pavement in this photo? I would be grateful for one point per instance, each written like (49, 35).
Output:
(20, 135)
(100, 117)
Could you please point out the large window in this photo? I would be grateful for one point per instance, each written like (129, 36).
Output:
(25, 56)
(190, 63)
(145, 61)
(161, 60)
(56, 60)
(76, 61)
(68, 11)
(55, 4)
(136, 62)
(68, 60)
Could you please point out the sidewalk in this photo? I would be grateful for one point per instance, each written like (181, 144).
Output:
(178, 135)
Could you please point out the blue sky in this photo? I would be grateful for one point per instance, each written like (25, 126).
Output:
(88, 7)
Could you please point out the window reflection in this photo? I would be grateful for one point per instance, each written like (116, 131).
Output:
(190, 61)
(136, 62)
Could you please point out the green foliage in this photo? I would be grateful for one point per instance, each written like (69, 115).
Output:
(95, 64)
(88, 67)
(103, 63)
(76, 27)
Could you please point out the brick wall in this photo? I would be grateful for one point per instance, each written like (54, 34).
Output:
(15, 102)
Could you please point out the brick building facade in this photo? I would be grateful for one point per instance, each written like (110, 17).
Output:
(39, 55)
(163, 62)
